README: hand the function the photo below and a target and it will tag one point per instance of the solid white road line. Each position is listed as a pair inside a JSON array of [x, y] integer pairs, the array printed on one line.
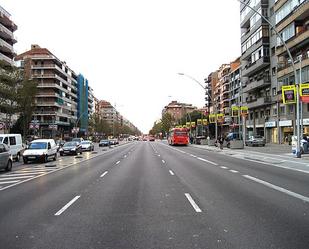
[[223, 167], [192, 202], [22, 174], [283, 190], [104, 174], [67, 205], [8, 182], [171, 172], [234, 171], [118, 162], [207, 161], [193, 155], [14, 178], [163, 161]]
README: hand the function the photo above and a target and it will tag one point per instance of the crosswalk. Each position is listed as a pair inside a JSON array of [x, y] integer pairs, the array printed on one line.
[[25, 174]]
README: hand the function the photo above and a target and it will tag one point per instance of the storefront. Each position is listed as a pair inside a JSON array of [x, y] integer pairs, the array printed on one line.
[[286, 128], [271, 132]]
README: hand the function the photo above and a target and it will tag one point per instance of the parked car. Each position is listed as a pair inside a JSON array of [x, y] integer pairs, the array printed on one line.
[[77, 139], [255, 140], [104, 143], [87, 145], [71, 148], [40, 150], [14, 143], [151, 138], [113, 141], [5, 157]]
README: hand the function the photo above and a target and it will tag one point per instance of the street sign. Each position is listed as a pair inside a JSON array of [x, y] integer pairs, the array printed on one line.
[[212, 118], [304, 92], [235, 111], [220, 117]]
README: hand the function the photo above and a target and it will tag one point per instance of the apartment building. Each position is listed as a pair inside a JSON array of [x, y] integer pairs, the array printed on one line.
[[56, 100], [7, 37], [291, 18], [178, 110], [210, 86], [108, 112], [255, 64]]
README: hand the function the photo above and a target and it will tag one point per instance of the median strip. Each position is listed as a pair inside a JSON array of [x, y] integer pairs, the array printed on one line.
[[192, 202], [283, 190], [67, 205]]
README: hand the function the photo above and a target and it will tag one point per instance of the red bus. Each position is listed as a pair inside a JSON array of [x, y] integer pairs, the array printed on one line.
[[178, 136]]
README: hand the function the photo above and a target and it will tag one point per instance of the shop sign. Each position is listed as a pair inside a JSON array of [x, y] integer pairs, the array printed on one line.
[[289, 94], [220, 117], [235, 111], [304, 92], [188, 125], [205, 122], [270, 124], [244, 111], [212, 118], [192, 124], [199, 122], [283, 123]]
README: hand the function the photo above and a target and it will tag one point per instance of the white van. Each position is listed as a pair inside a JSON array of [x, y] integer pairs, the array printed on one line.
[[14, 142], [40, 150]]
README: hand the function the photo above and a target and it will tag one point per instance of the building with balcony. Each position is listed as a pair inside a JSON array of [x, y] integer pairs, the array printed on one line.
[[292, 22], [7, 37], [177, 110], [57, 96], [210, 86], [256, 63]]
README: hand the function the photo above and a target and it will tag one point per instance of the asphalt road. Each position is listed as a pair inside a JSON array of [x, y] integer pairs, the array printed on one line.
[[151, 195]]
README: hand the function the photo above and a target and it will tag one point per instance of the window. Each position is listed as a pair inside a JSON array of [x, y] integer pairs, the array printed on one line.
[[282, 110], [274, 111], [286, 9], [12, 141], [6, 141], [251, 115], [291, 109], [286, 34], [274, 91], [256, 114], [273, 71], [262, 114]]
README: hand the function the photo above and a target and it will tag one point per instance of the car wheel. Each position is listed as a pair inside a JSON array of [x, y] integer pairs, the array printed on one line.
[[45, 159], [61, 154], [55, 157], [17, 159], [9, 166], [25, 160]]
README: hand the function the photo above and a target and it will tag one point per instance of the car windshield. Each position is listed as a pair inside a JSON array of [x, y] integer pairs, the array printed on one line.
[[37, 146], [69, 144], [1, 138], [85, 142]]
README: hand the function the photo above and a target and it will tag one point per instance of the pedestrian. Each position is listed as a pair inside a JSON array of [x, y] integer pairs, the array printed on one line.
[[221, 140]]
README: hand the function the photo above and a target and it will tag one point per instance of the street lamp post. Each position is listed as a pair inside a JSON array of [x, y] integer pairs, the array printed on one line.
[[297, 125], [210, 97], [75, 125]]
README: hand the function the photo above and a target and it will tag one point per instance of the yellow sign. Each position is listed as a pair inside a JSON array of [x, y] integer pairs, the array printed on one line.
[[244, 110], [220, 117], [192, 124], [184, 126], [188, 125], [304, 90], [205, 122], [199, 122], [289, 94], [235, 111], [212, 118]]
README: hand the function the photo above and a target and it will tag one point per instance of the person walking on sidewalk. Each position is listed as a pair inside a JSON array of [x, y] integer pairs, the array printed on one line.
[[221, 140]]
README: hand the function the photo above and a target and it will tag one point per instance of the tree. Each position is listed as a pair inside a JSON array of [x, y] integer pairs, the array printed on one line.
[[167, 122], [10, 83]]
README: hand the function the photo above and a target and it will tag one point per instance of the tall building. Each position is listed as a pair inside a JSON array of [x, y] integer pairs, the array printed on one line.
[[255, 64], [7, 37], [85, 103], [210, 86], [178, 110], [291, 19], [56, 99]]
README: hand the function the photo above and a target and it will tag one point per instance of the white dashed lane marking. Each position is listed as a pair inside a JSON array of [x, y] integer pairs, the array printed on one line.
[[234, 171], [104, 174], [223, 167], [171, 172], [67, 205], [192, 202], [117, 162]]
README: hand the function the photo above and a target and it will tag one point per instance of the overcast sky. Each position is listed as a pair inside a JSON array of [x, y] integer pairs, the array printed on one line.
[[132, 50]]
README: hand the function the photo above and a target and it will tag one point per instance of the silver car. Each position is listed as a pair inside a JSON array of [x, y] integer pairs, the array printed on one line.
[[5, 158], [255, 140]]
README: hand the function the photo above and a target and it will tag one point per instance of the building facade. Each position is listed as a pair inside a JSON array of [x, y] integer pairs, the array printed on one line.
[[56, 100], [177, 110], [255, 64], [7, 37]]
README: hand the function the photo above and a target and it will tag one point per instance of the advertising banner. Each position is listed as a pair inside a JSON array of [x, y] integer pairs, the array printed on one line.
[[192, 124], [199, 122], [244, 111], [289, 94], [212, 118], [205, 122], [235, 111], [220, 117]]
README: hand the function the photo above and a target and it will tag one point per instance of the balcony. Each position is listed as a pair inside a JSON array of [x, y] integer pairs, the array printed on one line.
[[6, 47], [47, 103], [47, 94], [299, 40], [6, 33], [257, 84], [5, 58], [254, 67], [255, 46], [285, 67], [257, 102]]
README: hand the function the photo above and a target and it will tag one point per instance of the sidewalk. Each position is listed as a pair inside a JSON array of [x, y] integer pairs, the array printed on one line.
[[272, 154]]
